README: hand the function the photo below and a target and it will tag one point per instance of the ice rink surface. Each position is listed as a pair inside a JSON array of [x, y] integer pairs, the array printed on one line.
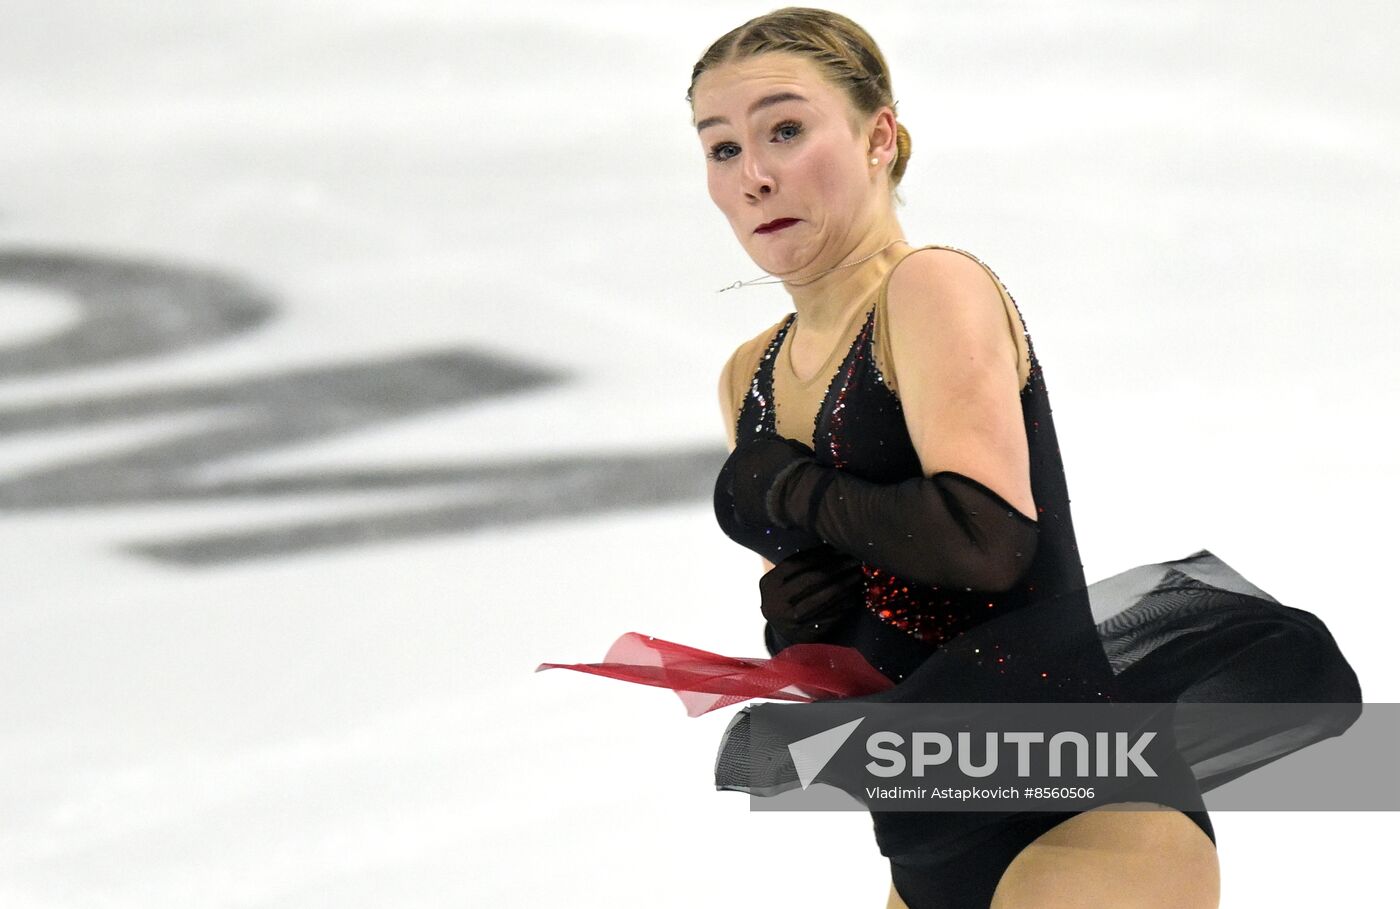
[[359, 357]]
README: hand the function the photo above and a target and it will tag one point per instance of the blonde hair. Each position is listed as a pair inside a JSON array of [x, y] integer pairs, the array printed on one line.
[[843, 51]]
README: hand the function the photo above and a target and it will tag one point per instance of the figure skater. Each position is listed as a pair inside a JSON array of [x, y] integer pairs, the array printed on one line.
[[894, 461]]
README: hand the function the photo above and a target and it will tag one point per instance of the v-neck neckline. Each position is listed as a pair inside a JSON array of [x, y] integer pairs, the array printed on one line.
[[838, 353], [828, 372]]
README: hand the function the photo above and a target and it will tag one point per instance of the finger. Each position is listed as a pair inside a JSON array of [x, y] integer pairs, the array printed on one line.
[[824, 557], [801, 585], [843, 589], [832, 611], [804, 563], [828, 596]]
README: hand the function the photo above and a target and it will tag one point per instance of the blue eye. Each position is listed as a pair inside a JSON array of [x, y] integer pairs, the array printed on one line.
[[718, 147]]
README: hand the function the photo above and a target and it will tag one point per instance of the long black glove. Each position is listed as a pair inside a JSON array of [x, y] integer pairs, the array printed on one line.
[[805, 594], [775, 544], [947, 529]]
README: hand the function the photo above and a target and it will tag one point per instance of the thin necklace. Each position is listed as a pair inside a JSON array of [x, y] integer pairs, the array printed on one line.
[[796, 283]]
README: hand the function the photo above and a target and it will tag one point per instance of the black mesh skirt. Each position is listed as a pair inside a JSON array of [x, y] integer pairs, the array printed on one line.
[[1188, 631]]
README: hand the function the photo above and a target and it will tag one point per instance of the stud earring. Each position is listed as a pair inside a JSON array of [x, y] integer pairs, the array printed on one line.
[[874, 161]]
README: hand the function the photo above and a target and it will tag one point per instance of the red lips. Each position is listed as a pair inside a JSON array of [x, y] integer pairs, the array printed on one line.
[[778, 224]]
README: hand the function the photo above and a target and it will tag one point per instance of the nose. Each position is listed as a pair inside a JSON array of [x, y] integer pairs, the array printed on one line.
[[756, 178]]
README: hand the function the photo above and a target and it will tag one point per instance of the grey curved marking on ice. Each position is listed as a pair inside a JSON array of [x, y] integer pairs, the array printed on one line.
[[129, 309], [518, 493], [264, 413]]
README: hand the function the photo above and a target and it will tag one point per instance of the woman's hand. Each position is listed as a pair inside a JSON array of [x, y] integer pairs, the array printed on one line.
[[806, 593], [754, 467]]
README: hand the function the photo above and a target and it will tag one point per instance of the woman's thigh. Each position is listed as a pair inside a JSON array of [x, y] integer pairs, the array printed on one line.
[[1141, 859]]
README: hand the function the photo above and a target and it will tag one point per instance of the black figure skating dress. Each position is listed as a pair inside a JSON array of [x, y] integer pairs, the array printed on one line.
[[1186, 630]]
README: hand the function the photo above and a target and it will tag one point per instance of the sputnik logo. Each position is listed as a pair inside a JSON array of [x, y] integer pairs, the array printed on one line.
[[811, 754]]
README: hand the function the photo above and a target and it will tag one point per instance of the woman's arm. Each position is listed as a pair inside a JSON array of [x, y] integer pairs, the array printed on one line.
[[959, 386]]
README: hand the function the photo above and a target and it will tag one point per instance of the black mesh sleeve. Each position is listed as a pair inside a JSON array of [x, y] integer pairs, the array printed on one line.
[[947, 529]]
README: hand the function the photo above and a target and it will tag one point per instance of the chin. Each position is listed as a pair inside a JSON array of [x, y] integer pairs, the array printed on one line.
[[772, 259]]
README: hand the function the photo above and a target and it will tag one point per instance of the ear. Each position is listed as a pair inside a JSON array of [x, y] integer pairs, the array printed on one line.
[[883, 132]]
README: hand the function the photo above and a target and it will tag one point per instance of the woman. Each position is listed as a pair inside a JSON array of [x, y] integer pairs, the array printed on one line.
[[894, 460], [787, 143]]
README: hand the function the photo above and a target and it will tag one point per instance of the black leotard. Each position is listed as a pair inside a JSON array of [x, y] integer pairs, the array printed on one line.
[[860, 428], [958, 645]]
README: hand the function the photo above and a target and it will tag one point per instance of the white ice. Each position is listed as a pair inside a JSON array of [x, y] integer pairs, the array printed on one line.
[[1194, 205]]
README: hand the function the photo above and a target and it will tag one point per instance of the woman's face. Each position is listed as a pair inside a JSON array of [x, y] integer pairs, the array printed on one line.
[[771, 156]]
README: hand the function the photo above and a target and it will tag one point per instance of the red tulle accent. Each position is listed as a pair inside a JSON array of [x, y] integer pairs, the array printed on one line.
[[706, 681]]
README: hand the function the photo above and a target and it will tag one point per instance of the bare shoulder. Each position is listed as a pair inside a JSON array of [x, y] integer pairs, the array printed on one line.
[[952, 300], [945, 312], [935, 279]]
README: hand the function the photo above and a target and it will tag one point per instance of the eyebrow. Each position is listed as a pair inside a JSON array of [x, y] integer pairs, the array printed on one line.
[[765, 101]]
